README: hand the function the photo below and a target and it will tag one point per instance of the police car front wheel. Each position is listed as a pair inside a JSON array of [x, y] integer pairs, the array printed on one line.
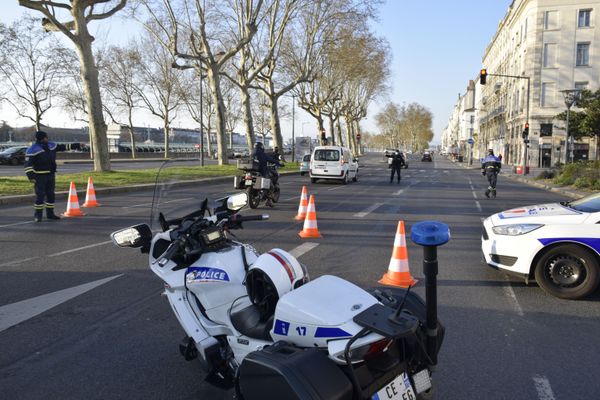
[[568, 271]]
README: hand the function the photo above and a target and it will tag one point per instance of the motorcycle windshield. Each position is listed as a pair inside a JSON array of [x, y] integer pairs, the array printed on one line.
[[178, 191]]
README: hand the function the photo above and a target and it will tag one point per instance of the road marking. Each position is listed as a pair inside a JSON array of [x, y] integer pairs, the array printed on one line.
[[368, 211], [303, 249], [292, 198], [15, 313], [79, 248], [17, 262], [543, 388], [474, 195], [508, 290], [478, 205], [165, 202], [138, 205], [16, 223], [335, 188], [399, 192]]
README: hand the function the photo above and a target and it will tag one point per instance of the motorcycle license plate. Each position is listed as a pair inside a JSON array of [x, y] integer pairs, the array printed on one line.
[[398, 389], [249, 182]]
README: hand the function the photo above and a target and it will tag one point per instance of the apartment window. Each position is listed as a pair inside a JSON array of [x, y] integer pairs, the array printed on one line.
[[525, 33], [583, 54], [584, 18], [547, 95], [545, 130], [551, 20], [549, 55], [581, 85]]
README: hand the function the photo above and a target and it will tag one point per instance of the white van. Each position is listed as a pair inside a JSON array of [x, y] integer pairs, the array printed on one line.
[[333, 162]]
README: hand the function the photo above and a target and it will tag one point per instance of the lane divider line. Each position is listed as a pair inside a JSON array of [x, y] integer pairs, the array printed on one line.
[[368, 211], [17, 262], [15, 313], [543, 388], [478, 205], [508, 290], [79, 248], [303, 249], [16, 223]]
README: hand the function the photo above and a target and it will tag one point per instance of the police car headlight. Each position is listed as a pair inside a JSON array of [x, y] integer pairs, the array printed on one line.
[[515, 230]]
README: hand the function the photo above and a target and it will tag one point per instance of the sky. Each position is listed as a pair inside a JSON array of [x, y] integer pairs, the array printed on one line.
[[437, 46]]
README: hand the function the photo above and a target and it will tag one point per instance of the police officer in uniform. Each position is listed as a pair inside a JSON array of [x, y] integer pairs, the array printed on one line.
[[397, 164], [40, 167], [262, 158], [490, 167]]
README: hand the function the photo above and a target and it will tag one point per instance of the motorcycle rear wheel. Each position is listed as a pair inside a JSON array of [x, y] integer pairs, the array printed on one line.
[[253, 197], [275, 195]]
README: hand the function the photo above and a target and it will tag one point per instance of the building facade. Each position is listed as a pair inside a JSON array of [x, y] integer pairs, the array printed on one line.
[[556, 43]]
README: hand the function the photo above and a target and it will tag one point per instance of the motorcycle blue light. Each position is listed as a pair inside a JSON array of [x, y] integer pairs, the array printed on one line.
[[430, 233]]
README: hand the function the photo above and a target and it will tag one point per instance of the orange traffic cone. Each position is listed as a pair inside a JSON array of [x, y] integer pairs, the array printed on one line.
[[73, 204], [90, 195], [310, 229], [303, 205], [398, 271]]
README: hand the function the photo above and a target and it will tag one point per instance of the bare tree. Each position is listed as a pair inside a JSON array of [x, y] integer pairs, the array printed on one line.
[[76, 30], [160, 88], [120, 78], [31, 65], [208, 43]]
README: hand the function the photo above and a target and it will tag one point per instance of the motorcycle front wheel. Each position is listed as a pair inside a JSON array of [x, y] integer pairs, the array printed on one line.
[[275, 195], [253, 197]]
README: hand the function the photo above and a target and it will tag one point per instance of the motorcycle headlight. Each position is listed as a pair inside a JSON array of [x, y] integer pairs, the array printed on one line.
[[516, 229]]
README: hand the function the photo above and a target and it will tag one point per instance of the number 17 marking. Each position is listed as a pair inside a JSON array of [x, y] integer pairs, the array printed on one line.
[[301, 330]]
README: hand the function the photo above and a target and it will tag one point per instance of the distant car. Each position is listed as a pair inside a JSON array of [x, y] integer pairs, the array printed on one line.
[[13, 155], [427, 157], [558, 244], [305, 164], [389, 152]]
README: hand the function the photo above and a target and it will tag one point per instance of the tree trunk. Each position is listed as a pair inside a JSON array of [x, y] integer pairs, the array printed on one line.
[[332, 130], [275, 126], [131, 134], [354, 140], [91, 90], [166, 131], [322, 133], [349, 132], [209, 137], [215, 85], [248, 119], [339, 132]]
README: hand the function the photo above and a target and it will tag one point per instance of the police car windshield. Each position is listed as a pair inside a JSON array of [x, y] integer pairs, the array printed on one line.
[[327, 155], [590, 204]]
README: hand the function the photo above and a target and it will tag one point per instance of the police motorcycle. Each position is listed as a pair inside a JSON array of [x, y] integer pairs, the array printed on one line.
[[257, 323], [259, 188]]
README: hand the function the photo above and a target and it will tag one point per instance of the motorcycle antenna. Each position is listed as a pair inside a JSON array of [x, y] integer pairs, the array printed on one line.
[[401, 306]]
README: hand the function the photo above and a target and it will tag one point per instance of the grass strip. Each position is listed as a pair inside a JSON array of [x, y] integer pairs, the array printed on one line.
[[18, 185]]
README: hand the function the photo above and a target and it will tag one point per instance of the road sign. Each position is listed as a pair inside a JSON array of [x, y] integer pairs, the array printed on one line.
[[470, 141], [197, 146], [358, 136]]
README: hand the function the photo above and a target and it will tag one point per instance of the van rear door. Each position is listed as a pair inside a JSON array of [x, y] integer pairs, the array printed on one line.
[[326, 162]]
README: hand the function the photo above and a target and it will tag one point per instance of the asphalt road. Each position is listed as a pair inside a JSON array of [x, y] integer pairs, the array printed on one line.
[[504, 340], [74, 167]]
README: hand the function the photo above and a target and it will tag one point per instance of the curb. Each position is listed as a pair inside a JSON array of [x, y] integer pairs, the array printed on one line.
[[10, 200]]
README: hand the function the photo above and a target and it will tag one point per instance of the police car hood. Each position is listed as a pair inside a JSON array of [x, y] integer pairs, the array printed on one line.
[[554, 213]]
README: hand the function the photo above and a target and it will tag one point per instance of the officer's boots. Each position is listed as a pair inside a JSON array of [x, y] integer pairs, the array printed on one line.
[[487, 193], [50, 214], [494, 193], [37, 217]]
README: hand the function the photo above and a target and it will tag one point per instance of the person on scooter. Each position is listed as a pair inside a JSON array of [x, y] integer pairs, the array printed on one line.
[[262, 158]]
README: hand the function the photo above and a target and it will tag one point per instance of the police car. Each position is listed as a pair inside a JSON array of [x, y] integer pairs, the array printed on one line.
[[558, 244]]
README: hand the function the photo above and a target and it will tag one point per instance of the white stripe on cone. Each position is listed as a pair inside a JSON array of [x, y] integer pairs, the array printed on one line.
[[400, 240], [398, 266]]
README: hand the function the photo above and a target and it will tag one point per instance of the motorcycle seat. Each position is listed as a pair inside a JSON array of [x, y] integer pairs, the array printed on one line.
[[247, 321]]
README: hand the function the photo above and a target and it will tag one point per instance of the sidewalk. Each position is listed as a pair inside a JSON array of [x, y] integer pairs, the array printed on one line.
[[507, 171]]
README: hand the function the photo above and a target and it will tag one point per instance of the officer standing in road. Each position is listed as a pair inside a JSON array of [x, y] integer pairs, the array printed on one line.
[[397, 163], [490, 167], [40, 167]]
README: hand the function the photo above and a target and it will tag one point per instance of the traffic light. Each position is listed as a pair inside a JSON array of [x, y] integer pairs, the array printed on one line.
[[482, 76], [526, 130]]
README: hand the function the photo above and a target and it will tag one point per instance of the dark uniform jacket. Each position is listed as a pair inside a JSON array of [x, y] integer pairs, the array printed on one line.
[[262, 159], [397, 161], [491, 164], [40, 158]]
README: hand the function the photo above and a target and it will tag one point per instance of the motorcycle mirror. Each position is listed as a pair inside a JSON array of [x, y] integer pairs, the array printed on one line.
[[237, 201], [135, 236]]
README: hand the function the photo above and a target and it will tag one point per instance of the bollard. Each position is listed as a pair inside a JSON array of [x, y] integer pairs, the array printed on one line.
[[430, 235]]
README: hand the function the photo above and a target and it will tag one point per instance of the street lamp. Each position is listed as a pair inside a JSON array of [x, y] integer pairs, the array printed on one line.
[[571, 96], [293, 121]]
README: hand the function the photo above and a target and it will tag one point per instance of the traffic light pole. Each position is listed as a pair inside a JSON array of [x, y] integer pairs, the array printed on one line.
[[525, 139]]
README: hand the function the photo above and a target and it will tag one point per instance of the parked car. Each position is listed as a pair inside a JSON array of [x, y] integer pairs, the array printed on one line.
[[305, 164], [333, 162], [13, 155], [427, 157], [556, 244]]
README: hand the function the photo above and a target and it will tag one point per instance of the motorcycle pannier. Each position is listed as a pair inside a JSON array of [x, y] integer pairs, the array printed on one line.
[[263, 183], [246, 164], [283, 371]]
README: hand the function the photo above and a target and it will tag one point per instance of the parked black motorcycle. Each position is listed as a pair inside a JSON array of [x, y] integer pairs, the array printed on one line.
[[259, 188]]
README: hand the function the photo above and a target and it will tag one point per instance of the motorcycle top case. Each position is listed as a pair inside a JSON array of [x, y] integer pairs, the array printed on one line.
[[283, 371]]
